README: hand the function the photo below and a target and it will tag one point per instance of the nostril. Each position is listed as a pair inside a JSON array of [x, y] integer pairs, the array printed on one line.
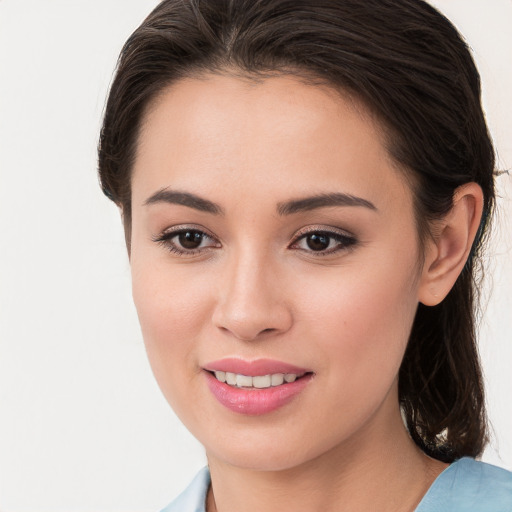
[[251, 321]]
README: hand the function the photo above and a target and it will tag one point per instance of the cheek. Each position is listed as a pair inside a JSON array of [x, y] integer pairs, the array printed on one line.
[[361, 332], [169, 298], [172, 312], [362, 323]]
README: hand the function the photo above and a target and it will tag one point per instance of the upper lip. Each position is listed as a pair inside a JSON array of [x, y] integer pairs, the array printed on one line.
[[254, 368]]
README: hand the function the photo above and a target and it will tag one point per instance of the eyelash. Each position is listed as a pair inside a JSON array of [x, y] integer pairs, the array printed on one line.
[[166, 240], [344, 240]]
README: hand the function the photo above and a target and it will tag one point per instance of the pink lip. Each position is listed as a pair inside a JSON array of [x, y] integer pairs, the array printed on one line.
[[253, 368], [253, 401]]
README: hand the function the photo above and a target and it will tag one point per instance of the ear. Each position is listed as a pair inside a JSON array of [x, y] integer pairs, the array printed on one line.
[[447, 251]]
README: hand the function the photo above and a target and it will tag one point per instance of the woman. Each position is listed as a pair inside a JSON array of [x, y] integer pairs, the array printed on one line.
[[305, 189]]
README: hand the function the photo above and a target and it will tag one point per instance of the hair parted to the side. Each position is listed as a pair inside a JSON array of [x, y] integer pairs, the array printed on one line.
[[409, 65]]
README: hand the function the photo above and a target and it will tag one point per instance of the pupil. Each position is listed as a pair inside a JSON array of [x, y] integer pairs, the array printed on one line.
[[190, 239], [318, 242]]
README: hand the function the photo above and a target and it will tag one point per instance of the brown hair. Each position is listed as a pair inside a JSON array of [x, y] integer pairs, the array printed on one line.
[[411, 67]]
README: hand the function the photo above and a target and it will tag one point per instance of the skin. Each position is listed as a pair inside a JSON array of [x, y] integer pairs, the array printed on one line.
[[254, 288]]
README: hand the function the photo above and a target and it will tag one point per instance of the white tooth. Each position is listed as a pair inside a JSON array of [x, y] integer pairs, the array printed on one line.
[[290, 377], [220, 376], [231, 378], [244, 381], [277, 379], [262, 381]]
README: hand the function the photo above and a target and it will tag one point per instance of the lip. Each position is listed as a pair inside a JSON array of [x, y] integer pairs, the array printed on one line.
[[253, 368], [252, 401]]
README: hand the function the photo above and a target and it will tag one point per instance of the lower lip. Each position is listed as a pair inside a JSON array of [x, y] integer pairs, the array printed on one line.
[[254, 401]]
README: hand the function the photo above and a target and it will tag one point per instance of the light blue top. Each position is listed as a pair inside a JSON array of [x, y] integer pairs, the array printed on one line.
[[464, 486]]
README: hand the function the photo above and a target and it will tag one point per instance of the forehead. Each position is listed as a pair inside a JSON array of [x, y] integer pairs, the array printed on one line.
[[278, 134]]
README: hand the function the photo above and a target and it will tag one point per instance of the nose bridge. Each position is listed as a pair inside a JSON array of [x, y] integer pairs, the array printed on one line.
[[251, 300]]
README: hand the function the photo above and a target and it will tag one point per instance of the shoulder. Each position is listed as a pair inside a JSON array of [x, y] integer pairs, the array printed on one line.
[[193, 498], [469, 485]]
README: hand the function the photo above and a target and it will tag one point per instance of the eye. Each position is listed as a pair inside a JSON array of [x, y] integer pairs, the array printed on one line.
[[190, 239], [323, 242], [186, 241]]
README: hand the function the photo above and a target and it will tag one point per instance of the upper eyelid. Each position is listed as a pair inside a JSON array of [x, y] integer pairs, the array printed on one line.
[[174, 230], [322, 229]]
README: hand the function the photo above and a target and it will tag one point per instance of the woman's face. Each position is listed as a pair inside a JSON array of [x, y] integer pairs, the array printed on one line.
[[272, 235]]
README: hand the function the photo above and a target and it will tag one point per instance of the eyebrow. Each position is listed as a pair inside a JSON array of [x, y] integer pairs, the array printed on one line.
[[304, 204], [322, 201], [169, 196]]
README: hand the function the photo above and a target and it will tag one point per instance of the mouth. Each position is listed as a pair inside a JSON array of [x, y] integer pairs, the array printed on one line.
[[238, 380], [255, 387]]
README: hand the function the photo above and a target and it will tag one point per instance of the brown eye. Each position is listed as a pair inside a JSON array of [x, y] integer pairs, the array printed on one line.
[[187, 242], [190, 239], [318, 241], [324, 242]]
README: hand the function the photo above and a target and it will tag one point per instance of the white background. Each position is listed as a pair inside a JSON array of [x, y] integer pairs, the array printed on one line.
[[83, 427]]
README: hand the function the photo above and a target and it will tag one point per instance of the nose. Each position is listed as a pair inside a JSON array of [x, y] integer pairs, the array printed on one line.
[[252, 301]]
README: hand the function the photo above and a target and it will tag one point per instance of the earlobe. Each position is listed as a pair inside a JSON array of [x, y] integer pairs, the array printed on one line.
[[448, 251]]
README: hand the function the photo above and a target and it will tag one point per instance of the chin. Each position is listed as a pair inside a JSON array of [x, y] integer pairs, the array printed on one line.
[[268, 450], [251, 459]]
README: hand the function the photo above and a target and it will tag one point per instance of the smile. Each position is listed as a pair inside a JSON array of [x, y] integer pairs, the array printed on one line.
[[255, 387], [257, 381]]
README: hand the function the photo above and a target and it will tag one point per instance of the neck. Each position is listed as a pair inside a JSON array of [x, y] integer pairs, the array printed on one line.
[[378, 469]]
